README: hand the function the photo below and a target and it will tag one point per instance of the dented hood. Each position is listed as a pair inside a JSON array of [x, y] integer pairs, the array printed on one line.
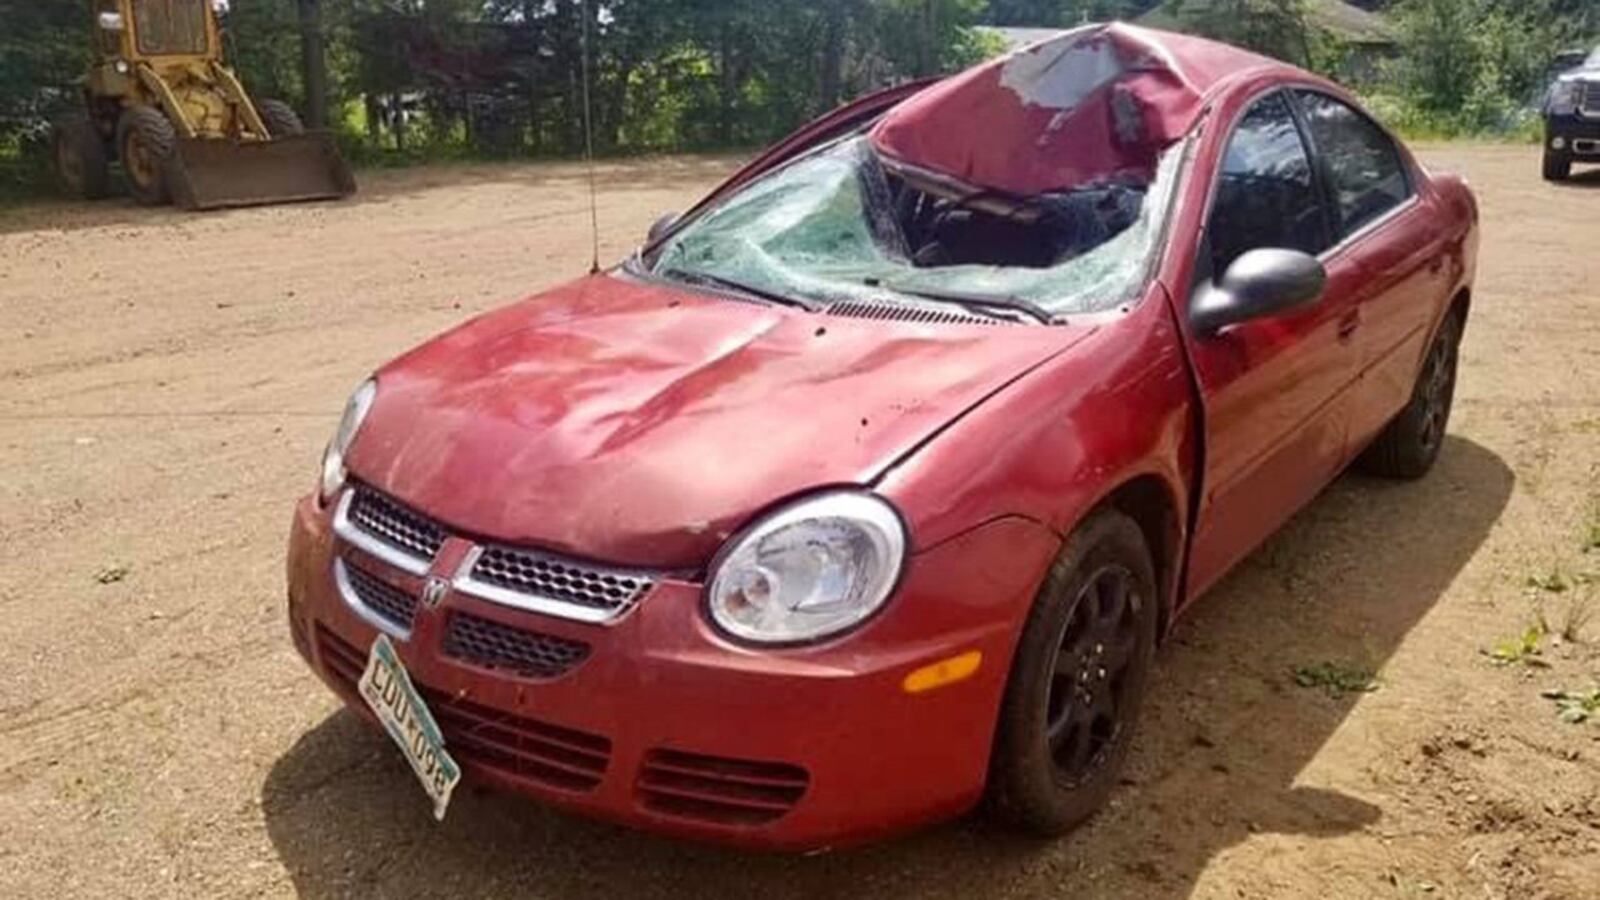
[[1090, 105], [641, 424]]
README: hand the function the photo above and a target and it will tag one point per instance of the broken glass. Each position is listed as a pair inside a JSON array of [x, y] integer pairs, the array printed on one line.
[[838, 224]]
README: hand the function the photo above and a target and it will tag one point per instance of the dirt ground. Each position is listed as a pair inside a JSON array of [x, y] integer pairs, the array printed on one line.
[[167, 382]]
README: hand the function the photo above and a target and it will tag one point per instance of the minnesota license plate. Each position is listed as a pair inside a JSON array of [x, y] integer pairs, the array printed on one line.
[[387, 688]]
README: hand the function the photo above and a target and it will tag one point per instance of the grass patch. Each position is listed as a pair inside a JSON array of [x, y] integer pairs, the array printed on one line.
[[1525, 649], [1576, 616], [1575, 708], [111, 574], [1336, 680], [1554, 581]]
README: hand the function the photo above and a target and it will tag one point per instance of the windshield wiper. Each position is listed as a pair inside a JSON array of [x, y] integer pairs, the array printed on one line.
[[705, 279], [983, 303]]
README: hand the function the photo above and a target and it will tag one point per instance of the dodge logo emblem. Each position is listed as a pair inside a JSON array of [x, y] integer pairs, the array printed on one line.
[[433, 591]]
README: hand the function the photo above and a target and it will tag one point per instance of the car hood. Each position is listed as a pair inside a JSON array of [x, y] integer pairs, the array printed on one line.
[[642, 424]]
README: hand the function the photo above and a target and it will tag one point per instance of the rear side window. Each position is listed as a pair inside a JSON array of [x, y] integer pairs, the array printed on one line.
[[1266, 195], [1368, 178]]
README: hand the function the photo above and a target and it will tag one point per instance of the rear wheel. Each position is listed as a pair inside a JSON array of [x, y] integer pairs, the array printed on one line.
[[146, 141], [1409, 445], [1557, 166], [280, 118], [81, 162], [1078, 680]]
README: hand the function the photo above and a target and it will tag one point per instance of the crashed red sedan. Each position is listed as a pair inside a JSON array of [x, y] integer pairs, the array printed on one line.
[[867, 488]]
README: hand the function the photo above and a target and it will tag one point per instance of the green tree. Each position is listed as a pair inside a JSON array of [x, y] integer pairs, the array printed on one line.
[[1062, 13], [1276, 28], [44, 52], [1471, 63]]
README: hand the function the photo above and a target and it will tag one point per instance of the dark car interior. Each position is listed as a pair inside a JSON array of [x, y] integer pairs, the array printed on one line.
[[942, 224]]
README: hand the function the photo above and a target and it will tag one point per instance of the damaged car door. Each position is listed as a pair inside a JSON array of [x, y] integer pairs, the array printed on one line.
[[1275, 388], [1384, 227]]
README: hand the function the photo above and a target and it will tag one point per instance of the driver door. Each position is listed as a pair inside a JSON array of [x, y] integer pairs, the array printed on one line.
[[1276, 391]]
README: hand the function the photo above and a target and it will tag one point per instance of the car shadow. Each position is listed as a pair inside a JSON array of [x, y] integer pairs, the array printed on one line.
[[1225, 737], [1581, 179]]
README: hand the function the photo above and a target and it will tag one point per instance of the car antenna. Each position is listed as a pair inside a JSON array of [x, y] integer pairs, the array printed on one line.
[[588, 150]]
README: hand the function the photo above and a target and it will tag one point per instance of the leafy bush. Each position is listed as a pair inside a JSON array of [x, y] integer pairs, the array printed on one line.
[[1474, 67]]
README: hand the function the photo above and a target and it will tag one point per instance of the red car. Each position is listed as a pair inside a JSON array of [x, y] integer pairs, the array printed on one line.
[[867, 489]]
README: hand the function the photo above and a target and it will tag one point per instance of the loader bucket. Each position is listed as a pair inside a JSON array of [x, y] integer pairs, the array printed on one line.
[[208, 173]]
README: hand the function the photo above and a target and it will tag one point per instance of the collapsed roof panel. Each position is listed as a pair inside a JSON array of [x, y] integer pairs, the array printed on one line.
[[1087, 106]]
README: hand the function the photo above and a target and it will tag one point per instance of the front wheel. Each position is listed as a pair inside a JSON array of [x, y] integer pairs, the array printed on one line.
[[280, 118], [1078, 680], [1410, 443], [146, 140], [1557, 166]]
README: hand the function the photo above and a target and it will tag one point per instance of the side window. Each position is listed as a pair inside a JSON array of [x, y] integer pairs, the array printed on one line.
[[1363, 164], [1266, 195]]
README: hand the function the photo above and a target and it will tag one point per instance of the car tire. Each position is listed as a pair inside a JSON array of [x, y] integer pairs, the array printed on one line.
[[280, 118], [146, 140], [1077, 680], [1408, 446], [82, 165], [1557, 166]]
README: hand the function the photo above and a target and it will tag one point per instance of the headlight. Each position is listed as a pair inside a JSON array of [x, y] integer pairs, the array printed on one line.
[[1564, 98], [355, 412], [809, 570]]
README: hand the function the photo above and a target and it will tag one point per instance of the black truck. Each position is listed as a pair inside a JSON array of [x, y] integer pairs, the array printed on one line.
[[1572, 119]]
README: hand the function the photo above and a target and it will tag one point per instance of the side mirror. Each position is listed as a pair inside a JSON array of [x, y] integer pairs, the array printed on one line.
[[110, 21], [1260, 284], [661, 227]]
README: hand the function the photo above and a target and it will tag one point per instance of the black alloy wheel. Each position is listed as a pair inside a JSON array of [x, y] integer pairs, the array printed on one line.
[[1088, 699], [1408, 446], [1077, 679]]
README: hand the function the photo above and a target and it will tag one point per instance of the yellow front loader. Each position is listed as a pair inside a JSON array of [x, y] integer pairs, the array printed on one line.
[[161, 101]]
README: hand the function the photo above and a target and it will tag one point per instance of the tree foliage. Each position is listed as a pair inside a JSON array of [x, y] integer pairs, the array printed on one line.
[[1276, 28], [503, 76], [43, 48], [1471, 64]]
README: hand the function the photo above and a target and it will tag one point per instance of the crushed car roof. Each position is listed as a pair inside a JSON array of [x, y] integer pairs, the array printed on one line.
[[1087, 106]]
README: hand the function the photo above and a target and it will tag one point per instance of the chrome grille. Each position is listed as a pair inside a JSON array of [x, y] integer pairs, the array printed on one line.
[[1589, 97], [383, 599], [603, 592], [398, 526], [491, 645], [399, 536]]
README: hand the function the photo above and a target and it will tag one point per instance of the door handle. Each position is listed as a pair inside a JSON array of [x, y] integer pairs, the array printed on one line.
[[1348, 324]]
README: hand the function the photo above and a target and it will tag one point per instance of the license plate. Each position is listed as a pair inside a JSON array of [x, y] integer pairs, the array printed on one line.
[[387, 688]]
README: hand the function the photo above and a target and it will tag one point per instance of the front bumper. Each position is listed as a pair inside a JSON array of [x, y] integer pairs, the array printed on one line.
[[668, 726], [1578, 136]]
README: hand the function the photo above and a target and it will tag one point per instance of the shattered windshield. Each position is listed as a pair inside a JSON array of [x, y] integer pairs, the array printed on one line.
[[844, 224]]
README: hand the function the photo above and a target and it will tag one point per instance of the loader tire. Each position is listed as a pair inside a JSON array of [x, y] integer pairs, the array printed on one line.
[[83, 168], [146, 140], [281, 119]]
